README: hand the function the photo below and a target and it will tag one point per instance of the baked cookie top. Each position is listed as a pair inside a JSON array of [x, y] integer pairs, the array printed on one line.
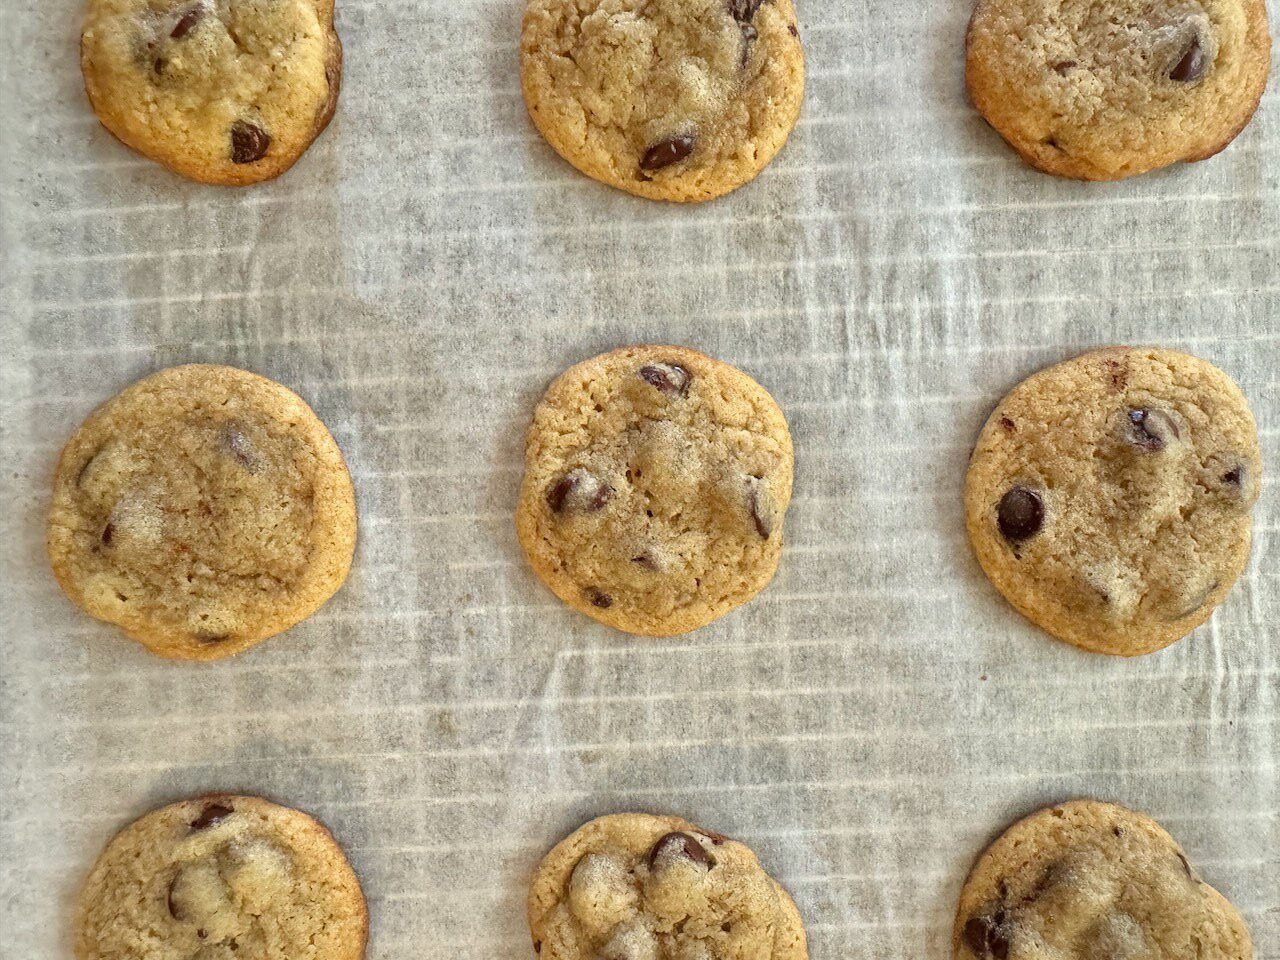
[[1104, 91], [633, 886], [656, 481], [667, 99], [1109, 497], [222, 877], [221, 91], [201, 510], [1088, 880]]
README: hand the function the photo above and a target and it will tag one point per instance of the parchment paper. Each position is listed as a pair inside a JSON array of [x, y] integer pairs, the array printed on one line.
[[867, 724]]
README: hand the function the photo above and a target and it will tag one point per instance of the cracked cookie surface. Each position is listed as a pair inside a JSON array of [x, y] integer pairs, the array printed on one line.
[[668, 99], [655, 487], [222, 877], [634, 886], [202, 510], [1105, 91], [1092, 881], [1109, 497], [225, 92]]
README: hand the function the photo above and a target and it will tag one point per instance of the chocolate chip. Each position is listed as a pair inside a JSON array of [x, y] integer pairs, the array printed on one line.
[[107, 533], [1064, 66], [578, 488], [1192, 64], [1020, 514], [1008, 425], [212, 814], [669, 378], [791, 29], [667, 152], [599, 598], [683, 843], [537, 946], [1152, 429], [186, 22], [646, 560], [1118, 831], [985, 936], [761, 505], [249, 142], [1234, 477], [202, 933], [159, 65], [744, 11]]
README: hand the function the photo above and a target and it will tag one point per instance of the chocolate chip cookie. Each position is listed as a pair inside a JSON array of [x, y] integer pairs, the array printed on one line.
[[202, 510], [221, 91], [1110, 497], [1104, 91], [637, 887], [1087, 881], [656, 482], [667, 99], [222, 877]]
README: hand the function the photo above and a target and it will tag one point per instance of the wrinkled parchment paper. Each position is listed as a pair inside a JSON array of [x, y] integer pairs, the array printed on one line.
[[867, 724]]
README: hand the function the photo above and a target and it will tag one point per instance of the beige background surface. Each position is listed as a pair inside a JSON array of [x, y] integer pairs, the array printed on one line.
[[867, 724]]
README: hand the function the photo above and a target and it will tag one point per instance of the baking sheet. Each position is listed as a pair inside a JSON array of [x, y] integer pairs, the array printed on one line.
[[867, 724]]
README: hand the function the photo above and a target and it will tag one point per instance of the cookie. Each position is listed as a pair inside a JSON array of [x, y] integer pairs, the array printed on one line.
[[1086, 881], [632, 886], [226, 92], [222, 877], [202, 510], [667, 99], [1109, 497], [1105, 91], [655, 486]]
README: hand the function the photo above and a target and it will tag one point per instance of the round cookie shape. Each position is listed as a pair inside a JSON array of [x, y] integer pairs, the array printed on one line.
[[222, 877], [202, 510], [679, 100], [656, 482], [1106, 91], [634, 886], [227, 92], [1085, 880], [1109, 497]]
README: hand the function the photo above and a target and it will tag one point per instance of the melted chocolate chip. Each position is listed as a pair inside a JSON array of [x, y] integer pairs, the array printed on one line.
[[578, 488], [1192, 65], [249, 142], [599, 598], [985, 936], [186, 22], [761, 505], [240, 448], [684, 844], [1020, 514], [667, 152], [669, 378], [212, 814], [1152, 429]]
